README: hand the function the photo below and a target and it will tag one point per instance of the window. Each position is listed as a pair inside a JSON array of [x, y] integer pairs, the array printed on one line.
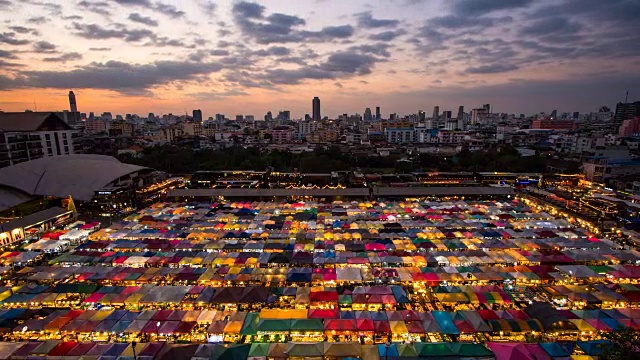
[[50, 151], [65, 142], [64, 135], [48, 144], [47, 136], [66, 149]]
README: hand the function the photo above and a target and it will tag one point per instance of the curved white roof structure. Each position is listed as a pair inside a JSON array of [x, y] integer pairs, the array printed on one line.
[[60, 176]]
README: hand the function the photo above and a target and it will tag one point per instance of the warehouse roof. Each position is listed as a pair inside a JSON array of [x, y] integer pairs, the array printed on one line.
[[60, 176]]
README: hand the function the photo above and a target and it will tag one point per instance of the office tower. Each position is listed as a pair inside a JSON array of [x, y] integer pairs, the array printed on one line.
[[268, 116], [220, 118], [284, 115], [446, 115], [74, 117], [249, 118], [422, 116], [554, 114], [436, 113], [460, 112], [239, 117], [368, 116], [378, 114], [307, 117], [91, 115], [316, 109], [151, 117], [197, 116], [576, 114], [72, 102], [487, 108], [625, 111]]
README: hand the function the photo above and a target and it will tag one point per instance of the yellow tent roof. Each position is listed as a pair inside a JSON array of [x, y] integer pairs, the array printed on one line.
[[283, 314], [398, 327]]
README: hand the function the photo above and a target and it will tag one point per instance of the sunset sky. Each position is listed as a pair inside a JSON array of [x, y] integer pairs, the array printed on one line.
[[236, 57]]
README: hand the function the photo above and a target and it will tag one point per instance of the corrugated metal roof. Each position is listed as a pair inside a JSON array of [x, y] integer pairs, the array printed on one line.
[[32, 219]]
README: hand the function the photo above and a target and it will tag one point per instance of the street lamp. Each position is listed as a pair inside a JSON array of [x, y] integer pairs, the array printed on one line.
[[386, 350], [133, 346]]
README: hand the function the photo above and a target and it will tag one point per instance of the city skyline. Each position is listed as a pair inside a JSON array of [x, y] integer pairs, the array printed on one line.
[[136, 56]]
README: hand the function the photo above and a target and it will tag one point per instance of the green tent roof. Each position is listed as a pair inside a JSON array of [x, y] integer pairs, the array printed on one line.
[[273, 325], [307, 325], [250, 325]]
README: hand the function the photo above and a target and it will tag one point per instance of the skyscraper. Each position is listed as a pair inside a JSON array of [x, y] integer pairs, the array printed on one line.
[[422, 116], [487, 107], [72, 102], [625, 111], [151, 117], [73, 116], [446, 115], [316, 109], [284, 115], [197, 116], [367, 114], [460, 112], [436, 112], [378, 114]]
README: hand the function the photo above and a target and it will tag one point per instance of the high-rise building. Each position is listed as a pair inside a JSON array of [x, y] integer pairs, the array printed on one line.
[[478, 115], [72, 102], [32, 135], [316, 109], [368, 116], [629, 127], [268, 116], [197, 116], [151, 117], [460, 112], [487, 108], [436, 113], [74, 115], [239, 117], [220, 117], [554, 114], [378, 114], [625, 111], [576, 114], [446, 114], [422, 116], [284, 115]]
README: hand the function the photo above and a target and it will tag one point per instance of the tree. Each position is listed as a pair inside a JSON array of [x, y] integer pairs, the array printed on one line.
[[625, 345]]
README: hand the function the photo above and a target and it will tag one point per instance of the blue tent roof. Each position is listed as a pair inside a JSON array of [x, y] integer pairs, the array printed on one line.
[[555, 349], [392, 350], [446, 322], [399, 294], [594, 347]]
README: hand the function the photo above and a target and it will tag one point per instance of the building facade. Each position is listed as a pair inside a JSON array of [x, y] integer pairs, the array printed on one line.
[[33, 135]]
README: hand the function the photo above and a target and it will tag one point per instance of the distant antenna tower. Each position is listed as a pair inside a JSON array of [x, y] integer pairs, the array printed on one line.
[[626, 96], [35, 106]]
